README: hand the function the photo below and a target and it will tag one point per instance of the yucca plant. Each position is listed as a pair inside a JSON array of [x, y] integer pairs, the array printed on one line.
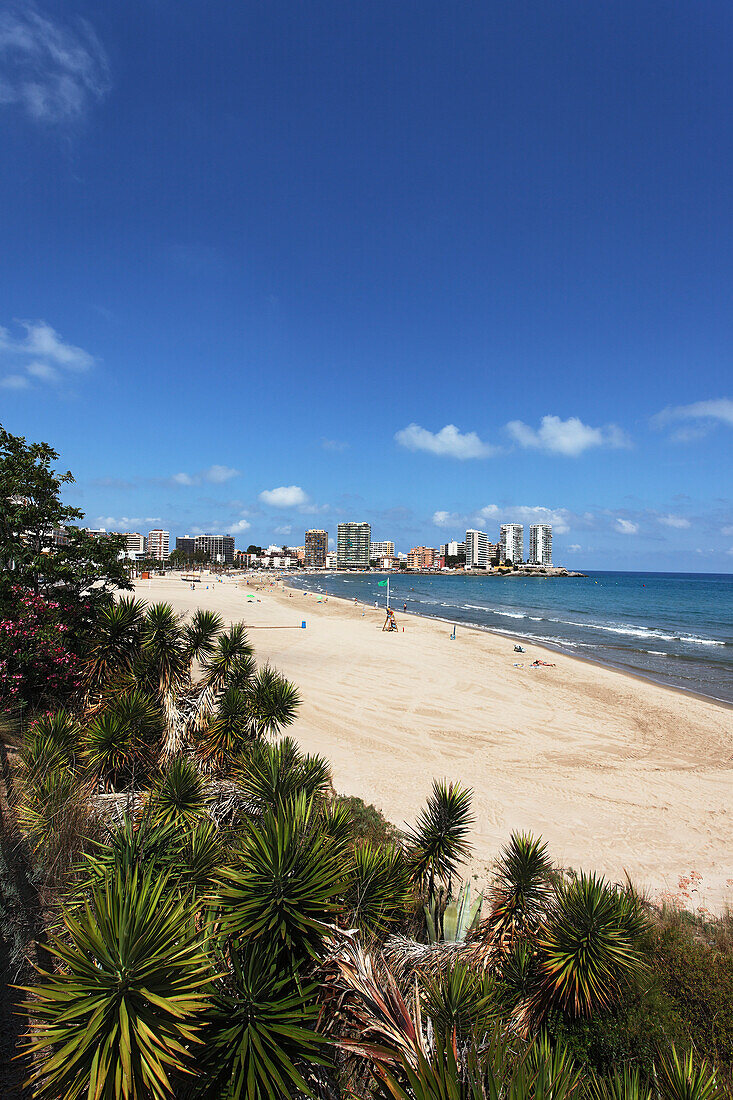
[[113, 750], [451, 922], [141, 713], [122, 1015], [274, 702], [179, 796], [521, 889], [134, 847], [200, 634], [51, 742], [230, 647], [260, 1034], [379, 892], [273, 774], [285, 885], [625, 1083], [589, 946], [461, 1001], [439, 840], [680, 1078], [229, 733], [53, 810], [115, 642]]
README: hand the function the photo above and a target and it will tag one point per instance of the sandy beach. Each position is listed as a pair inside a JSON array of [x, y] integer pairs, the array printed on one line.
[[616, 773]]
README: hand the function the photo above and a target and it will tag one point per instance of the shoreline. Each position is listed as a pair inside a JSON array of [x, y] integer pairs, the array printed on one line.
[[596, 662], [618, 774]]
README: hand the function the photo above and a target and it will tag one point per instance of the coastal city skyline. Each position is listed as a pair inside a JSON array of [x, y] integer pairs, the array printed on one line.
[[466, 290]]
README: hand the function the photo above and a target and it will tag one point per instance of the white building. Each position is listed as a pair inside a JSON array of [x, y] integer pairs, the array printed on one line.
[[331, 560], [477, 544], [540, 544], [511, 542], [157, 544], [381, 550]]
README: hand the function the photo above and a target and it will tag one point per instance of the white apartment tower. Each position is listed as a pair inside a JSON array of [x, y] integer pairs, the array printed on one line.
[[353, 545], [511, 542], [157, 544], [477, 550], [540, 544], [381, 550]]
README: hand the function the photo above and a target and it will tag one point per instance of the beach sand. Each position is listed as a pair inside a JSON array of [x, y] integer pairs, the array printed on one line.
[[617, 774]]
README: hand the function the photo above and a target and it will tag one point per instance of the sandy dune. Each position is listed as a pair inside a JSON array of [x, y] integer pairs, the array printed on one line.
[[616, 773]]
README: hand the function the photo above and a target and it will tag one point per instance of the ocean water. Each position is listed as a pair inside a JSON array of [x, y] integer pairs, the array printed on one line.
[[676, 628]]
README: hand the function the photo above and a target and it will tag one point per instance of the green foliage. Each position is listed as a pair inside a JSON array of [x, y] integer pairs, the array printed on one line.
[[54, 814], [114, 642], [521, 888], [460, 999], [113, 749], [625, 1083], [200, 634], [439, 840], [51, 743], [275, 702], [589, 945], [121, 1016], [368, 823], [379, 893], [682, 1079], [451, 923], [260, 1033], [285, 885], [179, 795], [275, 774]]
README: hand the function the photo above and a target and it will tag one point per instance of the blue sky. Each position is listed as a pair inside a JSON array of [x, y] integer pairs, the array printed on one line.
[[273, 265]]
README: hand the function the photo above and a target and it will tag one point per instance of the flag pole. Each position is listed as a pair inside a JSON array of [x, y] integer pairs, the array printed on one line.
[[388, 591]]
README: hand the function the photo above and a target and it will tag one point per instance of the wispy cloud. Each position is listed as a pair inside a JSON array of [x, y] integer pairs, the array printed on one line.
[[449, 442], [626, 527], [51, 71], [673, 521], [560, 518], [41, 355], [696, 420], [125, 523], [569, 437], [285, 496], [333, 445], [447, 519], [214, 475]]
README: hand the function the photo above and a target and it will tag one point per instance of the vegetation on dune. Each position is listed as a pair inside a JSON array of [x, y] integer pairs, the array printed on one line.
[[222, 925]]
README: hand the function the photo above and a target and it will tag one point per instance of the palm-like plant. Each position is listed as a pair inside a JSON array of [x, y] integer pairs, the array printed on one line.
[[439, 840], [200, 634], [52, 742], [682, 1079], [115, 641], [261, 1030], [589, 946], [272, 775], [274, 702], [229, 731], [461, 1001], [285, 885], [379, 893], [521, 889], [625, 1083], [121, 1016], [54, 813], [179, 796], [113, 749]]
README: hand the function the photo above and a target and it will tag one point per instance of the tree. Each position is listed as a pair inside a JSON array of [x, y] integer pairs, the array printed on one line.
[[80, 570]]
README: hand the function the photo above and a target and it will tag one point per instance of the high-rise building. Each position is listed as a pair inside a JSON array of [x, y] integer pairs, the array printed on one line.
[[186, 544], [540, 544], [157, 544], [492, 551], [476, 549], [218, 548], [135, 544], [453, 549], [353, 545], [379, 550], [316, 548], [511, 542]]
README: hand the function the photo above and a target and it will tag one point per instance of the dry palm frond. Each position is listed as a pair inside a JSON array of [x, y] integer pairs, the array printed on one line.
[[406, 957]]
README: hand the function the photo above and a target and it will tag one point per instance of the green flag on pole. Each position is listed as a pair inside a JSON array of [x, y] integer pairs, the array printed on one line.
[[382, 584]]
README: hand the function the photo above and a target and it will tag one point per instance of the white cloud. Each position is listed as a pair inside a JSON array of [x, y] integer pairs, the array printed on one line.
[[238, 527], [214, 475], [285, 496], [14, 382], [718, 410], [333, 444], [52, 72], [727, 531], [566, 437], [574, 547], [449, 442], [125, 523], [286, 529], [44, 371], [48, 353], [674, 521], [446, 519], [626, 527]]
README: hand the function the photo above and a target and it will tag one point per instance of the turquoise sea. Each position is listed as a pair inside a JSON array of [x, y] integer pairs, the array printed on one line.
[[676, 628]]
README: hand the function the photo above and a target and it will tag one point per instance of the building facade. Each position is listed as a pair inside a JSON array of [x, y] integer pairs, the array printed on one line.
[[540, 544], [316, 548], [353, 545], [158, 544], [218, 548], [379, 550], [135, 544], [477, 543], [421, 557], [511, 543], [186, 544]]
